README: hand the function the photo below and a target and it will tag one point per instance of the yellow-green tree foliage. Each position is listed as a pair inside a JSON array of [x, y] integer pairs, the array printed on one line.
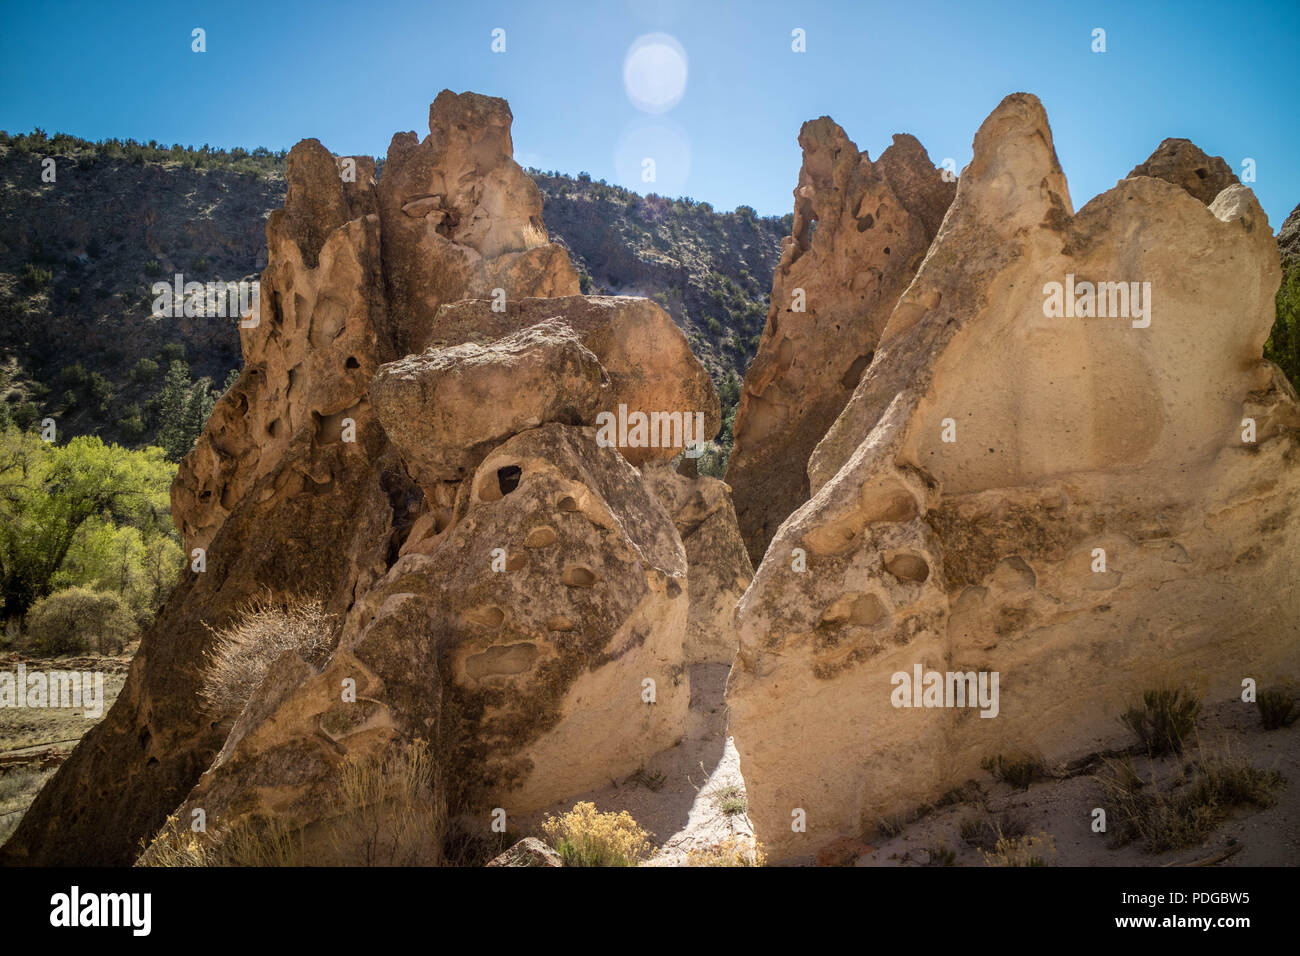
[[84, 514]]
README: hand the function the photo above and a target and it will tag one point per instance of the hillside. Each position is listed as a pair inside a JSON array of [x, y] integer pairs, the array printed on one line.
[[79, 256]]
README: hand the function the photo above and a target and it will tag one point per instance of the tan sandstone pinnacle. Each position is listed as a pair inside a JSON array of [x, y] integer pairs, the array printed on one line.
[[860, 232], [979, 554], [272, 493]]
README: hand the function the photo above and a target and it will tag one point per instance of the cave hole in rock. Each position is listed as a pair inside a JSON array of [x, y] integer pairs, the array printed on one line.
[[508, 478], [352, 362], [854, 374]]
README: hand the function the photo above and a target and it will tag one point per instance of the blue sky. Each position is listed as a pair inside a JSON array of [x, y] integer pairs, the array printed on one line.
[[351, 73]]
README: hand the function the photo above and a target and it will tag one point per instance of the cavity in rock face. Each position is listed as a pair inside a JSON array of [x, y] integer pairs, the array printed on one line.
[[992, 450]]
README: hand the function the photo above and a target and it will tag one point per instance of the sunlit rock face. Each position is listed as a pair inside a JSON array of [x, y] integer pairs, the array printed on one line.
[[861, 229], [1086, 501]]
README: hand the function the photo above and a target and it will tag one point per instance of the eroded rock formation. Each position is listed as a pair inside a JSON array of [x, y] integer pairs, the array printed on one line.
[[993, 451], [860, 231], [298, 487]]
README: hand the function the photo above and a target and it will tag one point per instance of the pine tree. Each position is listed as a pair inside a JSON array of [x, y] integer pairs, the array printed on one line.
[[171, 402]]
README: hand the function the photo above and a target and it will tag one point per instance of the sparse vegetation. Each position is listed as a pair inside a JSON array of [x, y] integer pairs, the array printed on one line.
[[1277, 707], [249, 842], [384, 811], [1022, 851], [586, 837], [243, 651], [731, 799], [1164, 719], [1018, 770], [986, 831], [1180, 812], [387, 810], [732, 851], [650, 780], [938, 854]]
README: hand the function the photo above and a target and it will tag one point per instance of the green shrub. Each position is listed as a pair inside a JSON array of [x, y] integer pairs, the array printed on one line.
[[145, 370], [35, 279], [76, 620], [1163, 719]]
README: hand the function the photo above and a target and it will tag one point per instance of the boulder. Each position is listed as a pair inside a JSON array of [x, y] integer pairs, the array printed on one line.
[[1181, 162], [651, 368], [529, 851], [446, 408]]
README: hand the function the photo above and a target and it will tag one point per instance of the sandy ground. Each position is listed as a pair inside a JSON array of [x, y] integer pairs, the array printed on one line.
[[1063, 808]]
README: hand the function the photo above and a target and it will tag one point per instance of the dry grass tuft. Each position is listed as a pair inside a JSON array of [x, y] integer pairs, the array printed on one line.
[[1022, 851], [243, 651], [1182, 811], [387, 810], [732, 851]]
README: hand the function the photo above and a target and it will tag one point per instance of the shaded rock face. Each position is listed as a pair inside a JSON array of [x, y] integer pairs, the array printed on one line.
[[508, 588], [720, 571], [519, 641], [991, 448], [1181, 162], [1288, 239], [860, 231], [273, 492]]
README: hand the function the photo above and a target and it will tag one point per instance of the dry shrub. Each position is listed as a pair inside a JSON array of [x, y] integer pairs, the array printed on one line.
[[387, 811], [985, 832], [1163, 719], [1277, 707], [384, 812], [732, 851], [534, 235], [584, 837], [249, 842], [1022, 851], [1185, 809], [1018, 770], [262, 630]]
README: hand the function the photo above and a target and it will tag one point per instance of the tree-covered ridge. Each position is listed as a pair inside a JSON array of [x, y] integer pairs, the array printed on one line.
[[255, 162]]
